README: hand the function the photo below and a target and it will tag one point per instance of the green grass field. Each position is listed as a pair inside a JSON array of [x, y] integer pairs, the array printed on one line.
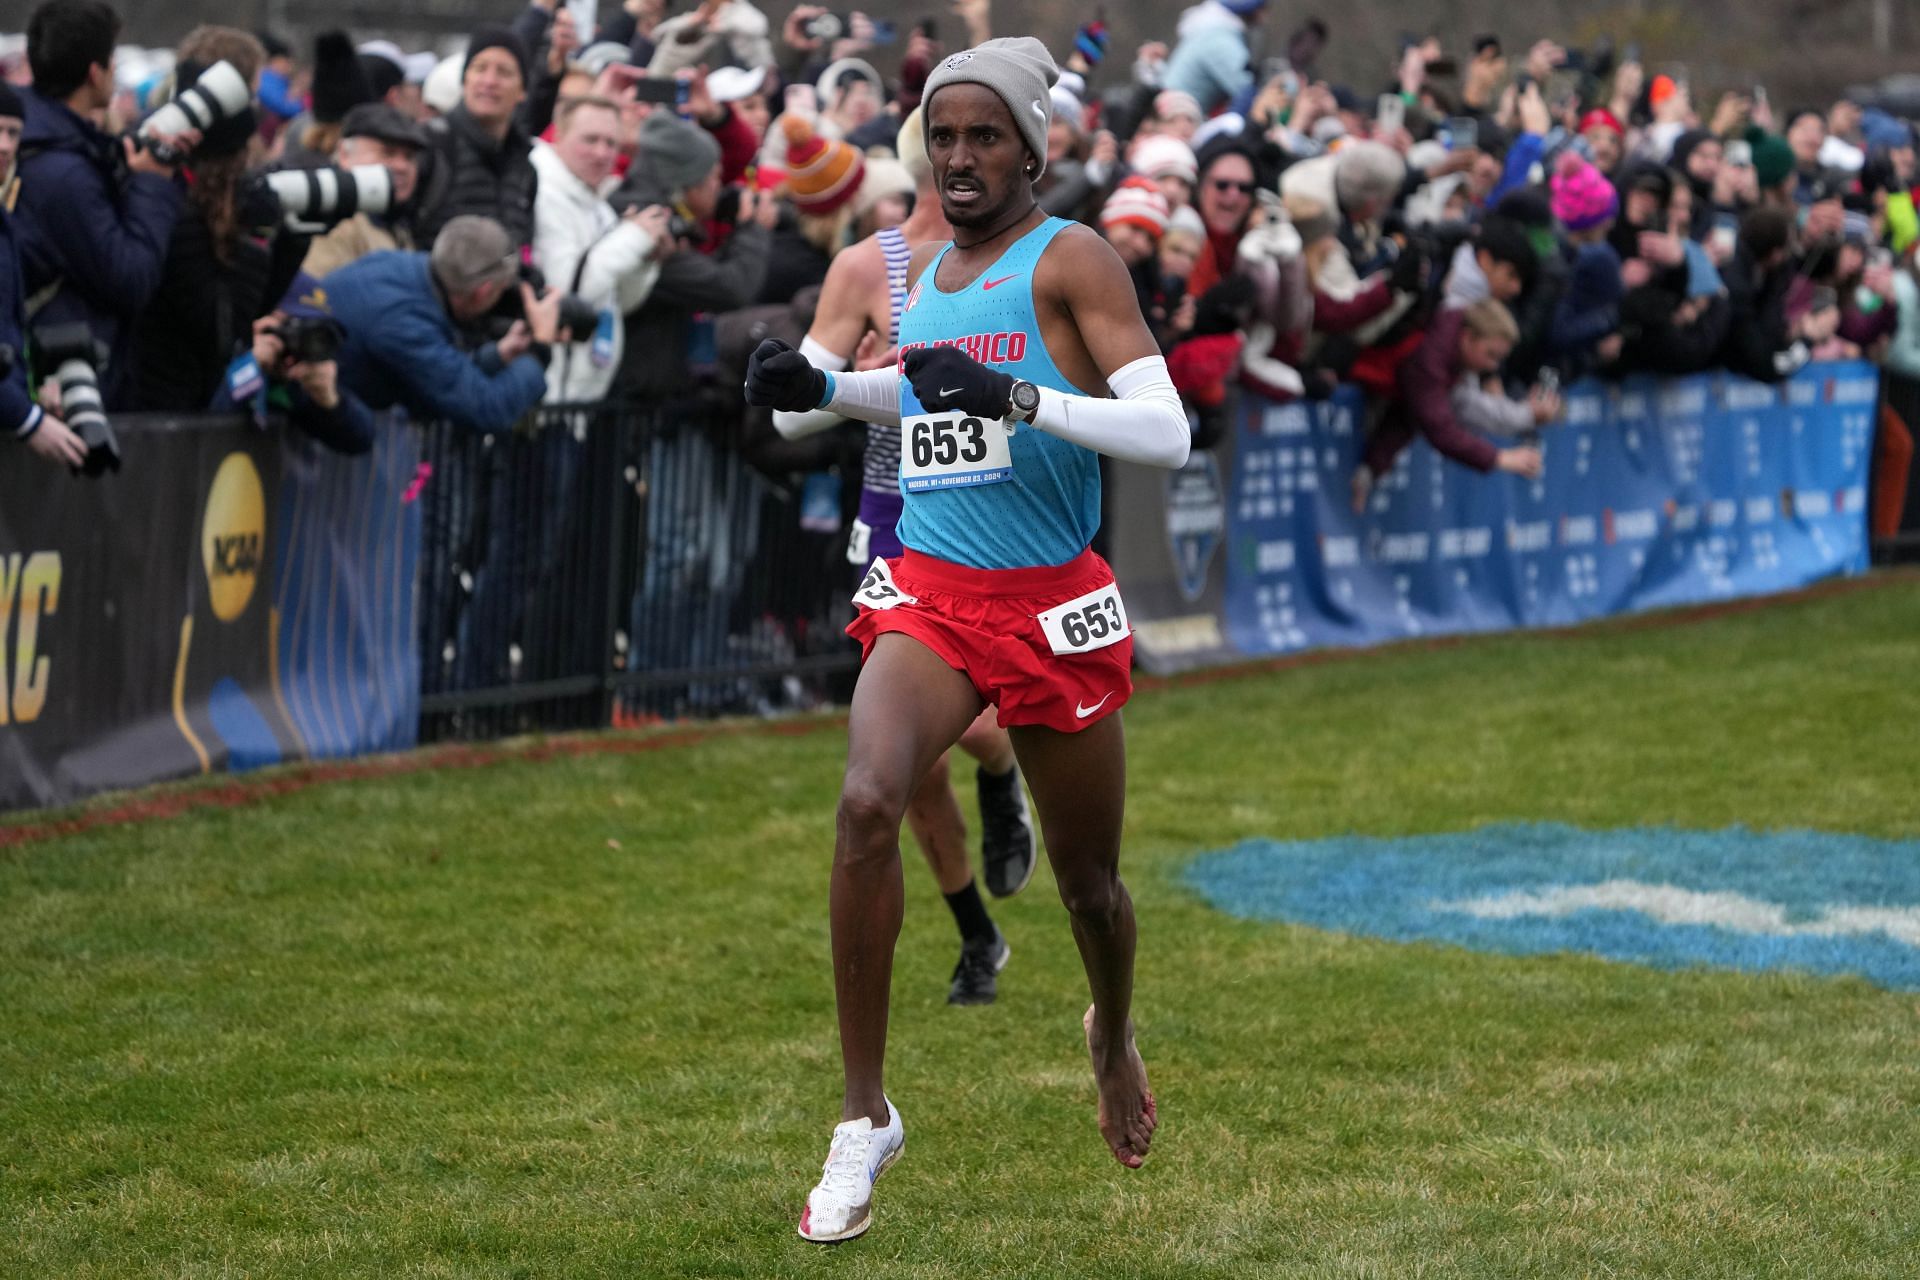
[[573, 1017]]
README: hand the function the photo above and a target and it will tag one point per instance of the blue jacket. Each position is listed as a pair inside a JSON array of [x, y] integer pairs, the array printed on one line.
[[1210, 61], [1590, 308], [101, 234], [19, 416], [403, 348]]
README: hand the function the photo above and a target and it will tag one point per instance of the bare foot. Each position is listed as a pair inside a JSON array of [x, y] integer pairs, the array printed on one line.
[[1128, 1115]]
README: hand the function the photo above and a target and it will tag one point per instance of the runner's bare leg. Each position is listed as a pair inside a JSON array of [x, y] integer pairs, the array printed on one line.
[[940, 829], [908, 708], [1079, 788], [988, 743]]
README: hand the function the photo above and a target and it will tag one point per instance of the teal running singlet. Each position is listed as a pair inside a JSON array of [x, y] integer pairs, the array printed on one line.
[[983, 493]]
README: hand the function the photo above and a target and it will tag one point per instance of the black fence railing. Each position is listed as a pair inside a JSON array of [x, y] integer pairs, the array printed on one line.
[[612, 565]]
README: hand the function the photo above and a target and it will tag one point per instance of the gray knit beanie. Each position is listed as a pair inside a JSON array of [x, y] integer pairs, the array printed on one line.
[[677, 154], [1020, 70]]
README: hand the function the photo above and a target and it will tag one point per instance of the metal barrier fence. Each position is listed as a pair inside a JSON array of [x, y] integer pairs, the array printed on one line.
[[616, 564]]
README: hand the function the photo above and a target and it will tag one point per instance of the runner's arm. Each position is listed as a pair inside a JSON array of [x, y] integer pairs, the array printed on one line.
[[1145, 421], [839, 322]]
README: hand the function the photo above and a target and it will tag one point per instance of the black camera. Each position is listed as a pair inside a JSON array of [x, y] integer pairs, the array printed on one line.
[[76, 358], [578, 317], [309, 339]]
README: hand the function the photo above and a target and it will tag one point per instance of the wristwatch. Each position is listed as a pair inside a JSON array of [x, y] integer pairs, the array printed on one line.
[[1024, 401]]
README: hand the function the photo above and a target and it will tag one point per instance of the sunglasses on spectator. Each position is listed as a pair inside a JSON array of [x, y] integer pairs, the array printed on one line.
[[1228, 184]]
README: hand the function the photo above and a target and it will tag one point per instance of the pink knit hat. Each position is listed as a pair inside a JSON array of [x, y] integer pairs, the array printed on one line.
[[1582, 197], [1136, 201], [1159, 156]]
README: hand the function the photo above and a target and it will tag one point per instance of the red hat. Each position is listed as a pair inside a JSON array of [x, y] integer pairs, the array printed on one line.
[[1602, 118], [1137, 201], [822, 174]]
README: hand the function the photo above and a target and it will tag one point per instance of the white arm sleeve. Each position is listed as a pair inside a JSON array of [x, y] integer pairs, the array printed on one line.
[[794, 426], [1145, 422], [873, 396]]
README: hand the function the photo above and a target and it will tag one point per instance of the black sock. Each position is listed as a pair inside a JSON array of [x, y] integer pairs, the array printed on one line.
[[970, 913], [998, 781]]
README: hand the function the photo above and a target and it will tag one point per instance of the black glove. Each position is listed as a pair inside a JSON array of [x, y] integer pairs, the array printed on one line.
[[948, 378], [778, 377]]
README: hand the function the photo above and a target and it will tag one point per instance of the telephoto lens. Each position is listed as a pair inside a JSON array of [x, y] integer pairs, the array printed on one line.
[[314, 199], [75, 356], [221, 91]]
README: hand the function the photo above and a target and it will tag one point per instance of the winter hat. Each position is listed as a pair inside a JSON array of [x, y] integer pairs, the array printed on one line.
[[886, 176], [1772, 161], [911, 146], [1159, 156], [1602, 118], [1137, 202], [1068, 108], [1582, 197], [382, 73], [733, 84], [822, 173], [597, 57], [485, 38], [339, 82], [441, 89], [1686, 144], [1170, 104], [676, 153], [1018, 69]]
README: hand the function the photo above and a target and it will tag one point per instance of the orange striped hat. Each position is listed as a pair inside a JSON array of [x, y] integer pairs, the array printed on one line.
[[822, 174]]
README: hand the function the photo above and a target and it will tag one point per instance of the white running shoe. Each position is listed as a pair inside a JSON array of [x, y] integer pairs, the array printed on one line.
[[841, 1207]]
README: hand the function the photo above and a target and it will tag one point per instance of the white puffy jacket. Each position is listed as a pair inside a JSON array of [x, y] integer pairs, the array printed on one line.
[[585, 248]]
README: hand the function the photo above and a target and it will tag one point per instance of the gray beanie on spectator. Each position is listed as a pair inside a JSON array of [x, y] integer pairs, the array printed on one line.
[[1020, 70], [677, 154]]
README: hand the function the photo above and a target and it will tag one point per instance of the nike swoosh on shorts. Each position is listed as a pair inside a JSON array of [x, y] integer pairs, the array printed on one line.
[[1082, 712]]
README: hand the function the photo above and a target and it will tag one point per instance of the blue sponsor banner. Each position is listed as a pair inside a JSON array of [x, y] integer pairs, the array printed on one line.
[[348, 551], [1812, 901], [1655, 493]]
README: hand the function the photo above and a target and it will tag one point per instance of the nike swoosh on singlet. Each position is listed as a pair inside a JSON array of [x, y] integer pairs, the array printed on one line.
[[988, 284], [1082, 712]]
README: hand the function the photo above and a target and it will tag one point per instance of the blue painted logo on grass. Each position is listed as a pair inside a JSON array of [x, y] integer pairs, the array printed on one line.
[[1737, 899]]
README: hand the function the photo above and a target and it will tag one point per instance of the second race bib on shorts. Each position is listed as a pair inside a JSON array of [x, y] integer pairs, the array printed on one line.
[[1092, 621], [952, 451], [878, 591]]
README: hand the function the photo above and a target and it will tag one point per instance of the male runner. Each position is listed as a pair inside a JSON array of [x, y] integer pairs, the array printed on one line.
[[864, 294], [1011, 335]]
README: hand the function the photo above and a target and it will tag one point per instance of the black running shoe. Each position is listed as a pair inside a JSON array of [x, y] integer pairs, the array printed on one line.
[[1006, 833], [980, 964]]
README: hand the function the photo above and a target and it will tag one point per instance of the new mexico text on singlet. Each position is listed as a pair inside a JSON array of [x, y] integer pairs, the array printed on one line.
[[989, 494]]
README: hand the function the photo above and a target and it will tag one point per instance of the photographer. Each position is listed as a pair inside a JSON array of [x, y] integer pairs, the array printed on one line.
[[291, 369], [93, 213], [229, 256], [373, 133], [404, 314], [40, 429], [721, 263]]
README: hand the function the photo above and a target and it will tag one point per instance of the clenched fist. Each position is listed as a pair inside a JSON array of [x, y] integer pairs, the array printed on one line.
[[778, 377]]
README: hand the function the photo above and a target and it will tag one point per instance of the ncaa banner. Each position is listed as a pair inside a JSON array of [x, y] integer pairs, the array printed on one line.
[[230, 599], [136, 626], [1655, 494]]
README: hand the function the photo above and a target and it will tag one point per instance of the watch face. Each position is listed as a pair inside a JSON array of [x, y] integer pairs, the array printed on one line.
[[1026, 397]]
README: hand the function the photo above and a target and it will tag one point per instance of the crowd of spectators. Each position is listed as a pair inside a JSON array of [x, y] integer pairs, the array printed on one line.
[[569, 216]]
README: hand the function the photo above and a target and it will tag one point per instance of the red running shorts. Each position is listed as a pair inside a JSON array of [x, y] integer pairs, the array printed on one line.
[[988, 625]]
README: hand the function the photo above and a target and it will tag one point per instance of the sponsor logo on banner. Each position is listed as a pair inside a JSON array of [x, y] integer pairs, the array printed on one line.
[[1196, 520], [29, 591], [233, 536], [1798, 900]]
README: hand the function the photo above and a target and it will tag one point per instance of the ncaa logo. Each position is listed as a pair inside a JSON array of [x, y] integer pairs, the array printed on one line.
[[1813, 901], [233, 536]]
